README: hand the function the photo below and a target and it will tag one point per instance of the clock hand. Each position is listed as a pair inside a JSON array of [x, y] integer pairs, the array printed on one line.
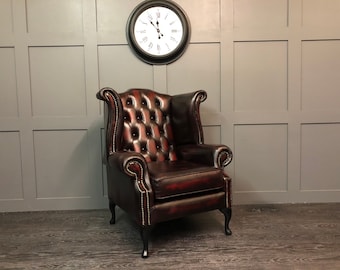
[[154, 25], [157, 28]]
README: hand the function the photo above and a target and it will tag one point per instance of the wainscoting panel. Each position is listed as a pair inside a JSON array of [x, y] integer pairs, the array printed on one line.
[[6, 18], [107, 20], [260, 84], [204, 16], [118, 76], [261, 158], [11, 184], [201, 66], [212, 134], [58, 86], [62, 164], [320, 75], [320, 150], [54, 16], [316, 13], [249, 13], [8, 93]]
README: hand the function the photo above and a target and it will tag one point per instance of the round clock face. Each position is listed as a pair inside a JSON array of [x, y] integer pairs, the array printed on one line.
[[158, 31]]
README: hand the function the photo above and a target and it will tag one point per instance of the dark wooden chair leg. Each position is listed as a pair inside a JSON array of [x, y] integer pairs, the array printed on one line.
[[112, 207], [145, 231], [227, 217]]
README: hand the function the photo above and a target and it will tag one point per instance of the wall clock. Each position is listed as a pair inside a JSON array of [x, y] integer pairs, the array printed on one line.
[[158, 31]]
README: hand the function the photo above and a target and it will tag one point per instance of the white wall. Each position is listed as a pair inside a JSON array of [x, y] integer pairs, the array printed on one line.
[[270, 67]]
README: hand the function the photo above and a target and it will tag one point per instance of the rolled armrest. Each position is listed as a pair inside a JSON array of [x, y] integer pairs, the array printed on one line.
[[135, 196], [120, 159], [218, 156], [133, 164]]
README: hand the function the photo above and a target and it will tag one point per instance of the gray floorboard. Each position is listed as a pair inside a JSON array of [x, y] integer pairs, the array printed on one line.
[[288, 236]]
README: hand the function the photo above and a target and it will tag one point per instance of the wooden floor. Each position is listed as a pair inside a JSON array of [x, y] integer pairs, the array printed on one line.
[[295, 236]]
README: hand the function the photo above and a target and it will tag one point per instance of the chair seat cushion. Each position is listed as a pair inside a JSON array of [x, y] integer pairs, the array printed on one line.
[[171, 179]]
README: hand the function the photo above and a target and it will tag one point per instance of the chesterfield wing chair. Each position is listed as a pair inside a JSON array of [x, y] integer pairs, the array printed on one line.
[[158, 167]]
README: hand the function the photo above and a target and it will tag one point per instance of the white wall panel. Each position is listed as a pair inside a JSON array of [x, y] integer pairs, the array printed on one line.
[[260, 13], [199, 68], [320, 75], [62, 164], [58, 81], [321, 13], [117, 65], [54, 16], [8, 93], [260, 76], [107, 19], [260, 158], [320, 148], [6, 20], [212, 134], [204, 16], [11, 185]]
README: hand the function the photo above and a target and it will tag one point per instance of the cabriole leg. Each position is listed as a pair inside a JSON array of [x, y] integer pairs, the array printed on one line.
[[227, 217], [145, 231], [112, 206]]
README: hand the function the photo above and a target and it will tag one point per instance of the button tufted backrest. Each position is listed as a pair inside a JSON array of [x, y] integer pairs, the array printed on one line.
[[147, 126]]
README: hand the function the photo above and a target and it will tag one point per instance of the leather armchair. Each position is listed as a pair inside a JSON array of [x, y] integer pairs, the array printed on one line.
[[158, 167]]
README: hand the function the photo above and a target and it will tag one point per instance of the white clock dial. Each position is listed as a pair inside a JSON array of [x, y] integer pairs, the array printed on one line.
[[158, 31]]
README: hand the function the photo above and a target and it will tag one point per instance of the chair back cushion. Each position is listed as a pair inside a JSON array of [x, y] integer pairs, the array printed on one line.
[[147, 125]]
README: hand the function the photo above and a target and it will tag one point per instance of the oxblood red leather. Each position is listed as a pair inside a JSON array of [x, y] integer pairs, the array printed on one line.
[[158, 167], [171, 179]]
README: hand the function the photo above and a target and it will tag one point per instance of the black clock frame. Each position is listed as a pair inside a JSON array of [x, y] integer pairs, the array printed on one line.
[[154, 59]]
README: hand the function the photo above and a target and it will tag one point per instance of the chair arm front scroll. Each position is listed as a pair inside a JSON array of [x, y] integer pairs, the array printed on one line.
[[218, 156], [132, 189]]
